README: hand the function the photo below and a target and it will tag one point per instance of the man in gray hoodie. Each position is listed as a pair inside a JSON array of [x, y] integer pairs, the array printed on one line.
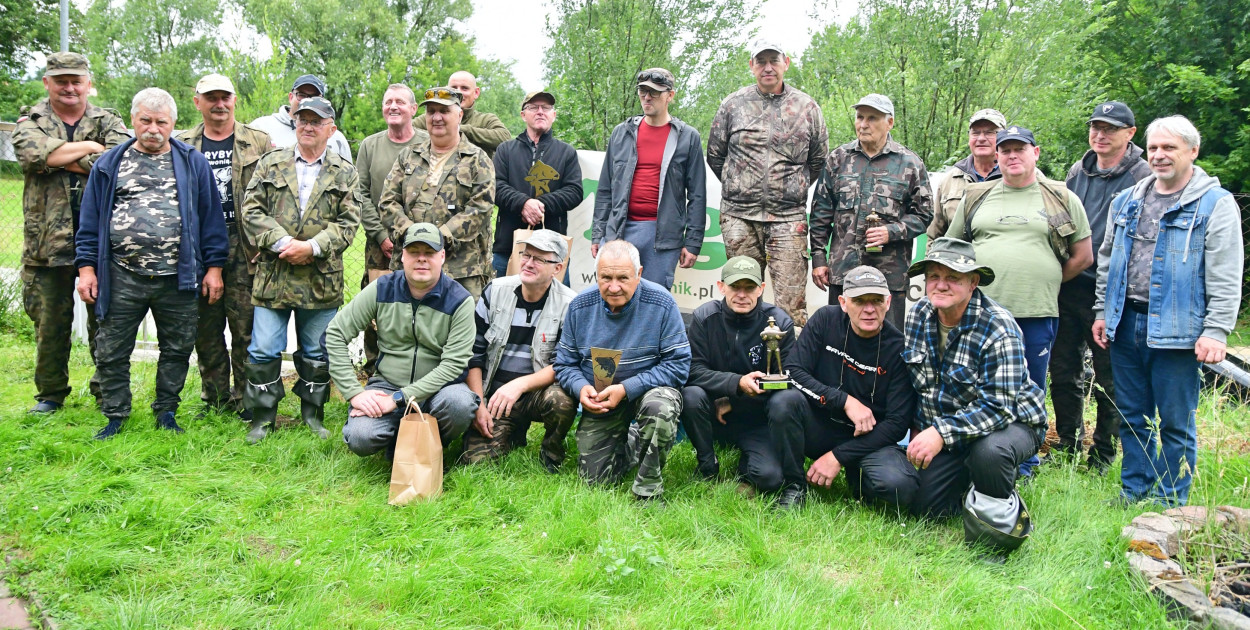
[[1112, 164]]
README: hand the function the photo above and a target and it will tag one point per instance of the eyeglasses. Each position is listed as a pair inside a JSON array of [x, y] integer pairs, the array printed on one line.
[[442, 93], [539, 108], [527, 257], [984, 133], [317, 124], [648, 92], [304, 95], [650, 76], [1105, 130]]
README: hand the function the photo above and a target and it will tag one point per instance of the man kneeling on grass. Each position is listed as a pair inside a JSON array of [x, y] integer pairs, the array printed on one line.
[[980, 415], [624, 353], [425, 339]]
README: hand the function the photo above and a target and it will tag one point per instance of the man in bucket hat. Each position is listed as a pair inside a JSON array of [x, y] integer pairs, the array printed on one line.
[[980, 415]]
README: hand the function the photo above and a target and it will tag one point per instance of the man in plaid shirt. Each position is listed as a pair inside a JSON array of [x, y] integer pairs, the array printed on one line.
[[979, 414]]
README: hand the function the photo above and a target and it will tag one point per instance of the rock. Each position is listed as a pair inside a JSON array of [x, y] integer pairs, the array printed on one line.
[[1225, 619], [1161, 523], [1156, 544], [1154, 569], [1197, 515], [1185, 600], [1240, 516]]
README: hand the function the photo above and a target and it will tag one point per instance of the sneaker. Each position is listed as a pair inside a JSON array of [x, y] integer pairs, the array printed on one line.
[[109, 430], [707, 472], [792, 498], [45, 407], [655, 501], [165, 420]]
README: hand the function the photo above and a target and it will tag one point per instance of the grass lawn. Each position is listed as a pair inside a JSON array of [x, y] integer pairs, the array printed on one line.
[[204, 531]]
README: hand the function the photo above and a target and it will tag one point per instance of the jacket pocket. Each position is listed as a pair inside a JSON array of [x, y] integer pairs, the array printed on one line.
[[264, 284], [328, 283], [888, 197], [918, 366]]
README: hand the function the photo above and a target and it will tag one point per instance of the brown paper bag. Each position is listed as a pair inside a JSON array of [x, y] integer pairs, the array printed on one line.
[[514, 261], [418, 467]]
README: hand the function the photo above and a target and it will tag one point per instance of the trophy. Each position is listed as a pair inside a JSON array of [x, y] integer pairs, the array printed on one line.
[[872, 221], [780, 379]]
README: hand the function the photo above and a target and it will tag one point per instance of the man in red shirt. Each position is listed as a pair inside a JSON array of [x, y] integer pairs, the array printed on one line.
[[652, 187]]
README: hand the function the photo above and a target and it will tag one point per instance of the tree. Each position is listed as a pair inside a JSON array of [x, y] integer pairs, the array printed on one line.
[[27, 26]]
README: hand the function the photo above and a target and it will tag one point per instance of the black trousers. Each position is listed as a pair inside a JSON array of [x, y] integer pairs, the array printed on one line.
[[1067, 375], [898, 305], [989, 463], [750, 426]]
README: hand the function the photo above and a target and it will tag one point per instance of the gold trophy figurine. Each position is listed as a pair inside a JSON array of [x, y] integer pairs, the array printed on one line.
[[780, 379], [873, 220]]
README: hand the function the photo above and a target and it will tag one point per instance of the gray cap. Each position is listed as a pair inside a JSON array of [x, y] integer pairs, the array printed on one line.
[[864, 280], [741, 268], [761, 45], [316, 105], [67, 63], [879, 102], [424, 233], [548, 241], [954, 254], [992, 115]]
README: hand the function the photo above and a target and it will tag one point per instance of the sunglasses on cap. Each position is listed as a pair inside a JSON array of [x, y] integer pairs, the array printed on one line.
[[654, 77], [442, 93]]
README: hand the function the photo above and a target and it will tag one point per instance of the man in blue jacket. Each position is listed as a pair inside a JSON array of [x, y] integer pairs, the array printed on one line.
[[151, 237], [624, 355]]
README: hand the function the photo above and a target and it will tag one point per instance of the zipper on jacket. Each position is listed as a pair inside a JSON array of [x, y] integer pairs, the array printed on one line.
[[415, 343]]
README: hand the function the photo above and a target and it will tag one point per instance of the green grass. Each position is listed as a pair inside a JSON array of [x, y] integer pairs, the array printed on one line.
[[205, 531]]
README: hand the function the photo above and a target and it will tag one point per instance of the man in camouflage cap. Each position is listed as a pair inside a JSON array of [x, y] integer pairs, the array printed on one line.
[[450, 183], [301, 209], [767, 145], [872, 199], [56, 144], [233, 150], [152, 238], [483, 129]]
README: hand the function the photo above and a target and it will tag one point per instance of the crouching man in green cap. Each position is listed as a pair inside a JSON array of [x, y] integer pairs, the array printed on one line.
[[979, 415]]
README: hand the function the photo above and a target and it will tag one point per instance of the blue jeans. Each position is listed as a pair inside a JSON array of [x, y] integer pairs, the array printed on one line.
[[1039, 337], [269, 332], [1149, 380]]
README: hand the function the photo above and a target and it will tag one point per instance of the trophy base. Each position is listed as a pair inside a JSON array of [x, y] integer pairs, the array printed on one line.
[[873, 250], [774, 382]]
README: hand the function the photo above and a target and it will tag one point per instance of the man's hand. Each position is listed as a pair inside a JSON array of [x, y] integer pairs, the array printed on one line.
[[373, 403], [924, 447], [387, 247], [611, 396], [820, 276], [723, 407], [860, 415], [533, 212], [88, 290], [876, 237], [213, 286], [590, 400], [687, 259], [484, 423], [748, 385], [504, 398], [1100, 333], [824, 470], [594, 250], [297, 252], [1209, 350]]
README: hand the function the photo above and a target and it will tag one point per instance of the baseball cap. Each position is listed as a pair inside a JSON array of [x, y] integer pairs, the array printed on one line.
[[316, 105], [864, 280], [761, 45], [992, 115], [310, 79], [741, 268], [424, 233], [657, 79], [1015, 132], [67, 63], [214, 82], [538, 94], [548, 241], [442, 96], [1114, 112], [954, 254], [879, 102]]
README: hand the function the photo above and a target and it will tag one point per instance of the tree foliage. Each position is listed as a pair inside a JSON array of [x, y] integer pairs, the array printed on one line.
[[29, 26]]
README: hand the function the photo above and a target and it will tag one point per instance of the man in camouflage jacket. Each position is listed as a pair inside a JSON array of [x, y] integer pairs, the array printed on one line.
[[870, 175], [767, 146], [233, 150], [448, 182], [301, 209], [56, 144]]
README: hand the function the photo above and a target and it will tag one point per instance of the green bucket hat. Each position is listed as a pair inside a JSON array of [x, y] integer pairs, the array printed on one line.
[[955, 254]]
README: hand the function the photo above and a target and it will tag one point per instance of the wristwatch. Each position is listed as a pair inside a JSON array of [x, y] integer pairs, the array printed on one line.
[[399, 399]]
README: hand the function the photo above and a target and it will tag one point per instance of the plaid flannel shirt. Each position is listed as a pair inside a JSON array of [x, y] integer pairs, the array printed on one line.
[[981, 384]]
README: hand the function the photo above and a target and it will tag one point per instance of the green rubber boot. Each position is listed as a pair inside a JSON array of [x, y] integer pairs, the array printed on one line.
[[261, 395]]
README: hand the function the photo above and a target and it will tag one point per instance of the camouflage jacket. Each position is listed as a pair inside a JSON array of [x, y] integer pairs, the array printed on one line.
[[270, 211], [951, 191], [483, 129], [460, 204], [767, 150], [894, 184], [48, 217], [249, 145]]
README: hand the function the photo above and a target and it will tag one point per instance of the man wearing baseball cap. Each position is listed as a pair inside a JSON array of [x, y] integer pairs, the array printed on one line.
[[767, 145], [448, 182], [280, 125], [56, 144], [853, 399], [980, 415], [301, 209], [1113, 163], [981, 165], [425, 331], [233, 151], [722, 400], [518, 323], [871, 201], [483, 129], [538, 180]]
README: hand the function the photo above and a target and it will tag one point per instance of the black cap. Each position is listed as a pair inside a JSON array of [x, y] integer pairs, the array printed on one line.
[[1114, 112], [310, 79], [1015, 132]]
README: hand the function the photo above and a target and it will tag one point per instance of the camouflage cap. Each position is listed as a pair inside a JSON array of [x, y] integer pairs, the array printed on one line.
[[741, 268], [424, 233], [864, 280], [441, 95], [954, 254], [539, 94], [316, 105], [548, 241], [67, 63], [879, 102], [992, 115]]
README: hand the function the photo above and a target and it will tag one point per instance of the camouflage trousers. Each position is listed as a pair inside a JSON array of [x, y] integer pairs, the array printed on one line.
[[233, 310], [48, 299], [606, 450], [781, 246], [551, 406], [371, 331], [474, 285]]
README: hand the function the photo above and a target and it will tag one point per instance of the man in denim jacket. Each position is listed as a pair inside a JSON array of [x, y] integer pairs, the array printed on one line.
[[1169, 285]]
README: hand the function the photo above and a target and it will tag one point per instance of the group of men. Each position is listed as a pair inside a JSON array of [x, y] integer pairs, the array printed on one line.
[[244, 226]]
